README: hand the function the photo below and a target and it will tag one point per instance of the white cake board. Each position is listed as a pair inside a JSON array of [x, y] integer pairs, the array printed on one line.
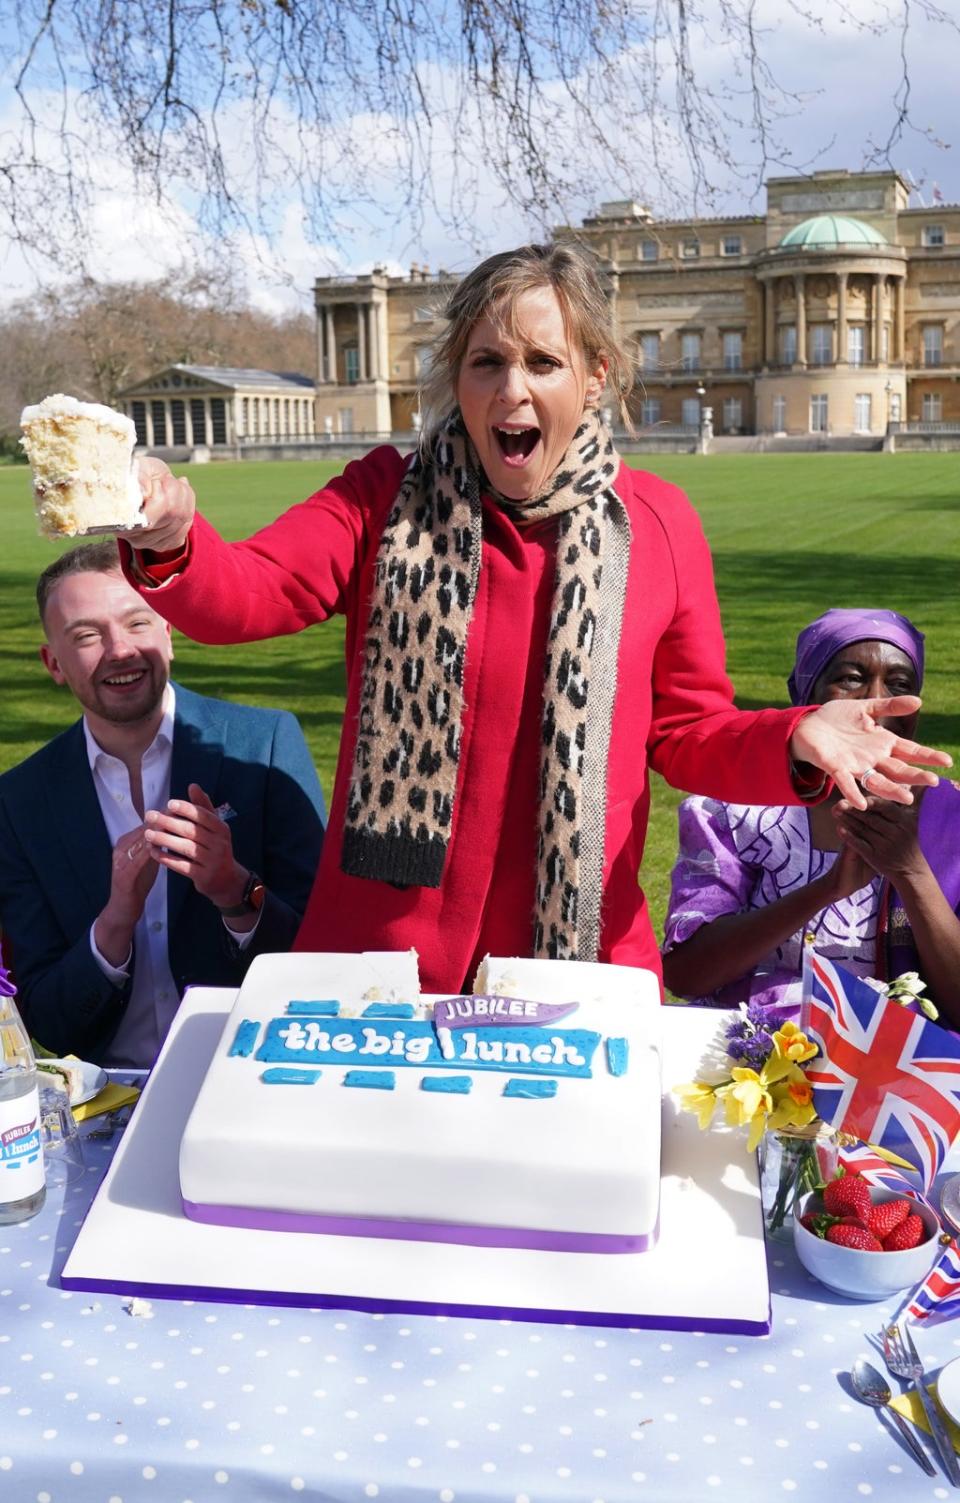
[[136, 1240]]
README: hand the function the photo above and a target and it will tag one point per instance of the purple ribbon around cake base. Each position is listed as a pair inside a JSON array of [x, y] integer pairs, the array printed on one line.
[[419, 1231]]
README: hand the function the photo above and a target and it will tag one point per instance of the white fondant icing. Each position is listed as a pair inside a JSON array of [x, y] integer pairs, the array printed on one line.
[[584, 1161]]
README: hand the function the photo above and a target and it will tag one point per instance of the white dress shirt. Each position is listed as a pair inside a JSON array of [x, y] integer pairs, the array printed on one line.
[[153, 995]]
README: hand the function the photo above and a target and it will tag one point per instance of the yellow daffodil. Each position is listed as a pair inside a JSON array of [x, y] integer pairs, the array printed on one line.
[[792, 1102], [747, 1101], [793, 1044], [700, 1098]]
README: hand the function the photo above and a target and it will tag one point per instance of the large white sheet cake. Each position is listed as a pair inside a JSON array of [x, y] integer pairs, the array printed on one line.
[[337, 1101]]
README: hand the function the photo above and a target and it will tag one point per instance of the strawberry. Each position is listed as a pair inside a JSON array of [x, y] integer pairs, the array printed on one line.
[[817, 1222], [851, 1234], [884, 1217], [847, 1195], [909, 1233]]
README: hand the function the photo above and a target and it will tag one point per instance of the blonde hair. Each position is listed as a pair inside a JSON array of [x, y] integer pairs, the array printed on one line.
[[493, 289]]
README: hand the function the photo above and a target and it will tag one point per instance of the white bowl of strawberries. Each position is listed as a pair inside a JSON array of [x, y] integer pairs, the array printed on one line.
[[863, 1241]]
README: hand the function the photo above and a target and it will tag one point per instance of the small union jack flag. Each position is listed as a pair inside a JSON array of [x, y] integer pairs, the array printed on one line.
[[886, 1075], [939, 1294], [861, 1159]]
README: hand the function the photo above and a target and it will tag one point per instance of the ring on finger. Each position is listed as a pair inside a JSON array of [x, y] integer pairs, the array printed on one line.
[[865, 776]]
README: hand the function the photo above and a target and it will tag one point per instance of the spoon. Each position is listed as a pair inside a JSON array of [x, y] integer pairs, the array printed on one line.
[[875, 1391]]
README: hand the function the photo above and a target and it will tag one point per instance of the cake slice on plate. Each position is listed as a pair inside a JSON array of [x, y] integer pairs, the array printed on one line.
[[84, 475]]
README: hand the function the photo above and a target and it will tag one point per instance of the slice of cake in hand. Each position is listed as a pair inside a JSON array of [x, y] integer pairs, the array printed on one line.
[[340, 1101], [84, 475]]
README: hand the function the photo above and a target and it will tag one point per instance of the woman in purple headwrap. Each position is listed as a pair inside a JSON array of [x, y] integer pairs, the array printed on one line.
[[878, 888]]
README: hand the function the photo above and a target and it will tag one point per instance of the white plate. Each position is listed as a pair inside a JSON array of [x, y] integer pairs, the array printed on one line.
[[948, 1389], [950, 1201], [92, 1079]]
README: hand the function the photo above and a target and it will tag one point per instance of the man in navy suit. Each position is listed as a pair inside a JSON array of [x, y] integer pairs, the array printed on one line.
[[162, 841]]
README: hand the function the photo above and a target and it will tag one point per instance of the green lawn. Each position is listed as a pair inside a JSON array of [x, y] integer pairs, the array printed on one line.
[[791, 535]]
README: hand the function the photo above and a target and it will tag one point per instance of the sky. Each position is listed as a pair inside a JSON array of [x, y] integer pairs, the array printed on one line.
[[842, 69]]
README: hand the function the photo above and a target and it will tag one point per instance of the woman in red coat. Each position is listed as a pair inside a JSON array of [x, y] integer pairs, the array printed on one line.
[[530, 624]]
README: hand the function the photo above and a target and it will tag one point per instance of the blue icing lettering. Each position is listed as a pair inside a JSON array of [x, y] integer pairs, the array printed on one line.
[[531, 1090], [322, 1008], [290, 1077], [618, 1056], [373, 1080], [415, 1043], [452, 1085], [245, 1039], [389, 1010]]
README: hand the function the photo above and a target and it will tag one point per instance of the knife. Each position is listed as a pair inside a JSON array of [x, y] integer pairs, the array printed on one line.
[[937, 1428]]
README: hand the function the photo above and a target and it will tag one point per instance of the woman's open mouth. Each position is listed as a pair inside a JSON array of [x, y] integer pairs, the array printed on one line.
[[517, 444]]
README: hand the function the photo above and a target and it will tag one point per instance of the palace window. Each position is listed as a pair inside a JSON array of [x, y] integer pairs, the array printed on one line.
[[788, 344], [650, 350], [732, 350], [649, 412], [818, 413], [732, 414], [690, 412], [932, 236], [855, 343], [649, 250], [862, 412], [779, 414], [689, 250], [690, 352], [178, 421], [159, 412], [351, 364], [138, 411], [821, 344], [731, 245], [932, 407], [933, 344]]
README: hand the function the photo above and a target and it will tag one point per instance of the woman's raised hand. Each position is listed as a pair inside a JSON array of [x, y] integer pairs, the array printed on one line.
[[847, 739], [168, 505]]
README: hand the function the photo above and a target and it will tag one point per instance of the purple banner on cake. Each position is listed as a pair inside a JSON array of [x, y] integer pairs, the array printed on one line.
[[487, 1011]]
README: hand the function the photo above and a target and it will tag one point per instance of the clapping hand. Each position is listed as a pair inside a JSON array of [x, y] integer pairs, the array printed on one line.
[[189, 837], [846, 740]]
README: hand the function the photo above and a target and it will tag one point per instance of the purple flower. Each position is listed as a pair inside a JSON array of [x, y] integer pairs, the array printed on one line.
[[7, 988]]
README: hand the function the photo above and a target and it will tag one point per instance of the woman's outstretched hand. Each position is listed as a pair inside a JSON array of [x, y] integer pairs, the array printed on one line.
[[846, 740], [168, 507]]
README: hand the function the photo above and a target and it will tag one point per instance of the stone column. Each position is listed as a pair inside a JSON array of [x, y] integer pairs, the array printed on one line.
[[900, 348], [208, 420], [362, 341], [877, 315], [330, 374], [800, 284], [373, 325], [769, 323], [148, 419], [188, 422], [841, 318], [321, 330]]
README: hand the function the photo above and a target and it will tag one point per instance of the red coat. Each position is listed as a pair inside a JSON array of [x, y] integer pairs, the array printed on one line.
[[673, 708]]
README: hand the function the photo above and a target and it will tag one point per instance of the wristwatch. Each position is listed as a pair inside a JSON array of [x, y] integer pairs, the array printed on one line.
[[252, 901]]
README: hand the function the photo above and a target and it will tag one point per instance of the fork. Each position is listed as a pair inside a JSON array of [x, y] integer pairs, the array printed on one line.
[[903, 1360]]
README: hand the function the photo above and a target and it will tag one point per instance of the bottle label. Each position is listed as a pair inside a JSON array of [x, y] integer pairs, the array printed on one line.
[[21, 1151]]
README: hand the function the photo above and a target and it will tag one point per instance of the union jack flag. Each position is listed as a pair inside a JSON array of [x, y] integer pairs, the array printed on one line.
[[886, 1075], [939, 1294], [861, 1159]]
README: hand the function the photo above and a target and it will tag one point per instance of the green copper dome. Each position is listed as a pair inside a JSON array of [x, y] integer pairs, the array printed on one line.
[[832, 229]]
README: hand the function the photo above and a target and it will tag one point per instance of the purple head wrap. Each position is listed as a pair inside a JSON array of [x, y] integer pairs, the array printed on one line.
[[837, 628]]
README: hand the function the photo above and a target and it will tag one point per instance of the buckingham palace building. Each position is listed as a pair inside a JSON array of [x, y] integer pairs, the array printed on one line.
[[836, 313]]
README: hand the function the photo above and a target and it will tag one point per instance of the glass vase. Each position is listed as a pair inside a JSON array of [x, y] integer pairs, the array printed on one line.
[[792, 1162]]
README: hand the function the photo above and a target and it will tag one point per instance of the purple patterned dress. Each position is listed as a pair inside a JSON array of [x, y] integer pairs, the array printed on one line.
[[736, 857]]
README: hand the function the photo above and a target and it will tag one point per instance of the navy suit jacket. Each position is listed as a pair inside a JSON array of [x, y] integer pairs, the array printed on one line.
[[55, 860]]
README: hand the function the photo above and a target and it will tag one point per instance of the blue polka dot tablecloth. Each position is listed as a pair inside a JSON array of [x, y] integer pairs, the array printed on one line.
[[107, 1400]]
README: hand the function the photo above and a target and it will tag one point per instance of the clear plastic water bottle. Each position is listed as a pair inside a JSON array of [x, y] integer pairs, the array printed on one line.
[[22, 1184]]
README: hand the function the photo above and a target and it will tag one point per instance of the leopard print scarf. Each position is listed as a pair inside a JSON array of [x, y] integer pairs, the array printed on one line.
[[402, 791]]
